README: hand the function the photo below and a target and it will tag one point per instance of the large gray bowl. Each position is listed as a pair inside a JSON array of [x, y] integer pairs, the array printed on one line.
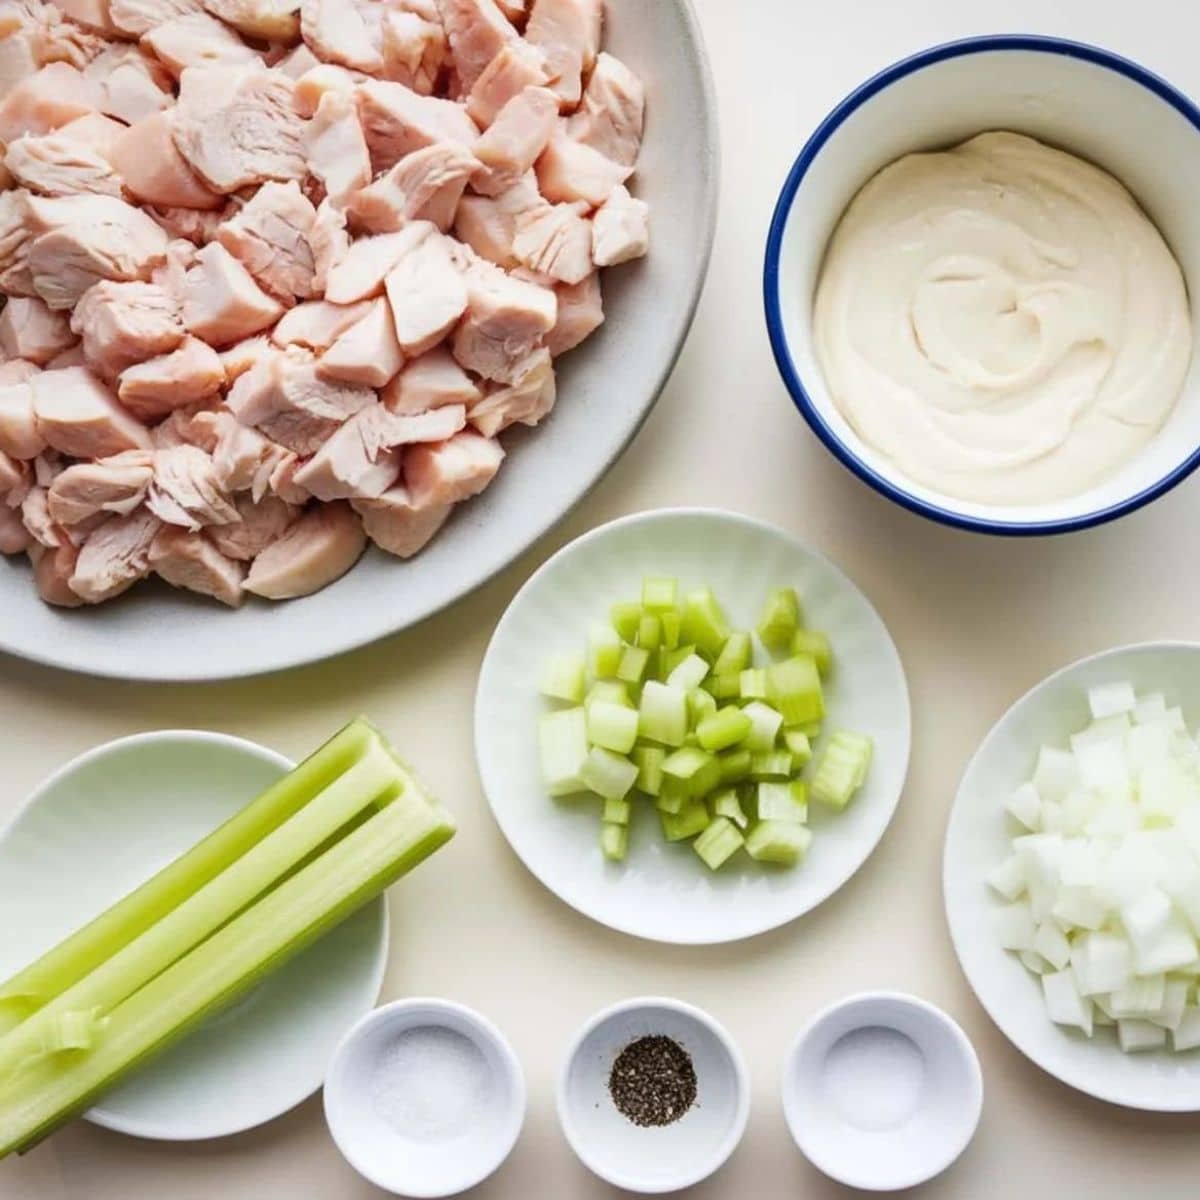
[[606, 389]]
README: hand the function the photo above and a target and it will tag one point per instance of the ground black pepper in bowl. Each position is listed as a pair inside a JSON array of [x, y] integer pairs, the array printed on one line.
[[653, 1081]]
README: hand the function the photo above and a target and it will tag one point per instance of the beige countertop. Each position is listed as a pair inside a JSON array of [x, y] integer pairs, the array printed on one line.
[[977, 621]]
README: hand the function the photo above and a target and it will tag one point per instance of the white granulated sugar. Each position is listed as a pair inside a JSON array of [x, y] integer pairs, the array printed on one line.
[[430, 1083]]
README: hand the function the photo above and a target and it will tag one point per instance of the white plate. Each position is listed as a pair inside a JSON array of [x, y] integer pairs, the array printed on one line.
[[606, 389], [663, 892], [105, 823], [978, 839]]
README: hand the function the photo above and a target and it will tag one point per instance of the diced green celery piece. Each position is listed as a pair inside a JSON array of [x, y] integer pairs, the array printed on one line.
[[672, 795], [736, 655], [633, 664], [227, 964], [771, 764], [671, 623], [649, 760], [783, 842], [735, 765], [794, 688], [659, 593], [752, 683], [704, 622], [689, 673], [604, 651], [563, 748], [816, 646], [79, 954], [649, 632], [662, 714], [613, 691], [782, 802], [700, 706], [686, 762], [614, 841], [625, 618], [565, 678], [612, 726], [765, 723], [727, 803], [811, 729], [841, 768], [616, 812], [672, 658], [779, 620], [718, 843], [690, 820], [723, 729], [799, 745], [608, 774], [725, 687]]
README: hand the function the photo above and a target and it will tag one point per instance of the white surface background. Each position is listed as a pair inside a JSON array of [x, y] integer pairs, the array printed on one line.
[[977, 621]]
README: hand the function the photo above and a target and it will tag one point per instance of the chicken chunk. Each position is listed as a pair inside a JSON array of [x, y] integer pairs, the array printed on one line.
[[190, 561], [198, 40], [396, 121], [345, 32], [367, 353], [433, 380], [19, 434], [395, 525], [316, 550], [270, 238], [322, 80], [78, 416], [414, 49], [488, 224], [446, 472], [35, 515], [126, 323], [613, 112], [569, 171], [114, 557], [580, 314], [568, 33], [518, 66], [506, 320], [44, 101], [243, 460], [14, 537], [515, 140], [477, 31], [329, 240], [263, 522], [336, 147], [195, 225], [17, 370], [425, 289], [129, 84], [52, 574], [185, 491], [361, 273], [556, 242], [15, 481], [620, 229], [110, 485], [94, 130], [137, 17], [222, 303], [297, 62], [53, 165], [526, 401], [318, 324], [266, 20], [424, 185], [31, 331], [184, 376], [154, 171]]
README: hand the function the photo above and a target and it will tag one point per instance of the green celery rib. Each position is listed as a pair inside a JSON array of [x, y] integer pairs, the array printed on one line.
[[375, 777], [83, 951], [229, 963]]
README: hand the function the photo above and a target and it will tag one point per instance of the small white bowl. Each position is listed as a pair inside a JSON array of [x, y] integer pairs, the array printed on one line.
[[442, 1164], [663, 1158], [882, 1091]]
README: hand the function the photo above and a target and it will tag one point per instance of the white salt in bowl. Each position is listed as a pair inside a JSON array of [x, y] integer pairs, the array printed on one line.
[[425, 1098]]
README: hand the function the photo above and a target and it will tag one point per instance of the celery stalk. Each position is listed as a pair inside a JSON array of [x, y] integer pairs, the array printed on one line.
[[617, 812], [671, 625], [727, 803], [633, 664], [719, 841], [659, 594], [782, 842], [736, 655], [692, 819], [73, 958], [612, 726], [614, 841], [649, 632], [723, 729], [649, 760], [841, 769], [816, 646], [704, 622], [229, 963], [625, 618], [564, 678], [780, 617]]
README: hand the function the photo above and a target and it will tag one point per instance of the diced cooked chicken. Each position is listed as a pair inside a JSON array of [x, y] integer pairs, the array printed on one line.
[[222, 303], [110, 485], [336, 148], [317, 324], [15, 480], [555, 241], [620, 229], [515, 140], [446, 472], [526, 401], [270, 238], [52, 574], [42, 102], [262, 523], [72, 357], [184, 376], [137, 17], [518, 66], [345, 32], [425, 185], [78, 416], [198, 40], [243, 460], [367, 353], [126, 323], [190, 561], [329, 240], [94, 130], [14, 537], [396, 121], [267, 20], [425, 289], [361, 272], [394, 525], [431, 381], [318, 81], [195, 225], [488, 224], [580, 314], [414, 49], [316, 550], [185, 491], [19, 434], [297, 62], [286, 400], [569, 171], [90, 13], [114, 557], [506, 319], [47, 466], [283, 481], [18, 225], [478, 31], [154, 171], [613, 112], [238, 127], [128, 83], [53, 165], [568, 33], [183, 428], [31, 331], [35, 515], [243, 355]]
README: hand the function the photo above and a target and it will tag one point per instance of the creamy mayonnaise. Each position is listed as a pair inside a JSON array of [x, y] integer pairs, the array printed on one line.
[[1002, 321]]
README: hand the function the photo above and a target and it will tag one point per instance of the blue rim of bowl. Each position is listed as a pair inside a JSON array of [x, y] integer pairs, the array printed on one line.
[[775, 327]]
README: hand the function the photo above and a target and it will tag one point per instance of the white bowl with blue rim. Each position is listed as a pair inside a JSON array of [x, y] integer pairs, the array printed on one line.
[[1085, 100]]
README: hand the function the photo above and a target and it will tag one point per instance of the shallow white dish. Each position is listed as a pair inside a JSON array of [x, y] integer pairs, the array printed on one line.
[[882, 1091], [665, 1158], [606, 389], [443, 1165], [105, 823], [978, 838], [663, 892]]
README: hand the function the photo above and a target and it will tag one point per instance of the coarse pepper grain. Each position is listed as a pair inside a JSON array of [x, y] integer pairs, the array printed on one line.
[[653, 1081]]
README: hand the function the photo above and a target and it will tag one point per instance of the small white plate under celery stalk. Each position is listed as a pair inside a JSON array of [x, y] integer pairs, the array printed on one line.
[[628, 862]]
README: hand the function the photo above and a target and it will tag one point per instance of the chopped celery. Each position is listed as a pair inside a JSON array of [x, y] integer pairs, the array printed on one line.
[[672, 795], [735, 765], [565, 678], [724, 687], [752, 683], [649, 632], [810, 729], [612, 726], [736, 655], [799, 745], [226, 965], [783, 842], [632, 666], [649, 760], [672, 658], [704, 622], [718, 843], [794, 688], [765, 723], [700, 706], [723, 729], [604, 651], [68, 1031], [692, 819], [659, 594], [662, 715], [614, 841], [780, 617], [816, 646], [607, 774], [671, 624], [625, 618], [563, 746], [616, 812], [689, 673], [727, 804], [782, 802], [841, 769], [613, 691], [687, 762], [771, 764]]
